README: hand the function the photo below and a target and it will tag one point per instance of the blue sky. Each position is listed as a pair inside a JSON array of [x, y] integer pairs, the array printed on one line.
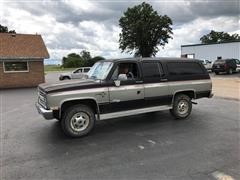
[[73, 25]]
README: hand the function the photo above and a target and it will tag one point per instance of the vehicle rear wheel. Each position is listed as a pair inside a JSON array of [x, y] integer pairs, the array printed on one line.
[[230, 71], [78, 121], [216, 73], [65, 78], [182, 106]]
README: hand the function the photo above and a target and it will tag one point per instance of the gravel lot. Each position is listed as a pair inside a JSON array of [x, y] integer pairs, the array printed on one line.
[[150, 146]]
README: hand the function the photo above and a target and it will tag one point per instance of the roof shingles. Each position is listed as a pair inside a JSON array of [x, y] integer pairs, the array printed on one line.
[[14, 46]]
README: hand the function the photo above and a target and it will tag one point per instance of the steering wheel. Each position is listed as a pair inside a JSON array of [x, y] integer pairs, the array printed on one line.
[[130, 75]]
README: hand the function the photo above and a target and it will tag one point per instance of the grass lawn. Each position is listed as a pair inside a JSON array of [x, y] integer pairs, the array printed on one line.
[[49, 68]]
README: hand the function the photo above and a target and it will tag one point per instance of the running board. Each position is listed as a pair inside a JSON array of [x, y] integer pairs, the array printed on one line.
[[133, 112]]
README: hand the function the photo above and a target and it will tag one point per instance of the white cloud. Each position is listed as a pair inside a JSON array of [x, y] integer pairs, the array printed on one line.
[[100, 35], [190, 33]]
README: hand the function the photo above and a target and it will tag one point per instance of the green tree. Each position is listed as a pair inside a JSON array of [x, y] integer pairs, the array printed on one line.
[[143, 30], [4, 29], [85, 55], [72, 60], [93, 60], [217, 37], [75, 60]]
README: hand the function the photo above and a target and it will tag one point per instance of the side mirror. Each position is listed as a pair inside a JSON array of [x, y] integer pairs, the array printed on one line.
[[117, 83], [122, 77]]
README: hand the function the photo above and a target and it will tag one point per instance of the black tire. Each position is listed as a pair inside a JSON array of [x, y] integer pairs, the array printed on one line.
[[216, 73], [66, 78], [78, 121], [230, 71], [185, 102]]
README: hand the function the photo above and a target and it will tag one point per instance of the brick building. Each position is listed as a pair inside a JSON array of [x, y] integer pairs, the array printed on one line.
[[21, 60]]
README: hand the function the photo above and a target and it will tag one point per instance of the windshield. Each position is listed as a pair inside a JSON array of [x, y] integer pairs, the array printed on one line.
[[100, 70]]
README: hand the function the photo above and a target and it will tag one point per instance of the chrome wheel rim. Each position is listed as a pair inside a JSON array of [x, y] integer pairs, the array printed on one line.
[[183, 107], [79, 121]]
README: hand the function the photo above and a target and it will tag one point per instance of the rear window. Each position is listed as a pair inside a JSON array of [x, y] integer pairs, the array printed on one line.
[[86, 70], [220, 60], [184, 68]]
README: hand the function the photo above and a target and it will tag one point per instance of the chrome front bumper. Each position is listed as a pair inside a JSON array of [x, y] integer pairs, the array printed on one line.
[[47, 114]]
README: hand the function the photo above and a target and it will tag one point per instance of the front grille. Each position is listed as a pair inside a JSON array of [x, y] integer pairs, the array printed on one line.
[[42, 98]]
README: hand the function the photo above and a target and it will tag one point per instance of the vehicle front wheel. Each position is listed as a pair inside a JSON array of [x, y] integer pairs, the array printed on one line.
[[78, 121], [182, 106]]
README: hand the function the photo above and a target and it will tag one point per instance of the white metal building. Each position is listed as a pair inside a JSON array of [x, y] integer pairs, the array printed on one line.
[[212, 51]]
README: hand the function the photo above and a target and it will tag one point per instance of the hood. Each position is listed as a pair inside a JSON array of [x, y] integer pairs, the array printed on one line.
[[69, 85]]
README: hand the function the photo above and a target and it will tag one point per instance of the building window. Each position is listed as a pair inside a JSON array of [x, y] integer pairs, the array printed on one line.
[[16, 66], [191, 56]]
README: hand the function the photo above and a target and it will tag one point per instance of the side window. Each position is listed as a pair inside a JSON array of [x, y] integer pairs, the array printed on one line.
[[230, 62], [86, 70], [237, 61], [151, 71], [16, 66], [184, 68], [127, 71], [77, 71]]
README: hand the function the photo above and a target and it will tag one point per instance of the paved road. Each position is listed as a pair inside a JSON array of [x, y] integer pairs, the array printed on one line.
[[151, 146]]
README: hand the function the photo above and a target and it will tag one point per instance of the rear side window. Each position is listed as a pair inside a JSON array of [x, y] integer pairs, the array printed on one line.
[[184, 68], [86, 70], [152, 71], [237, 61]]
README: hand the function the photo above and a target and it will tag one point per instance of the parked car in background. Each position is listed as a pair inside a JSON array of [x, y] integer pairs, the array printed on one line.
[[224, 65], [238, 64], [76, 74], [207, 64]]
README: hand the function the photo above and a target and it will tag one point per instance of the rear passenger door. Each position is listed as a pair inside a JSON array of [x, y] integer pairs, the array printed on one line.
[[155, 84]]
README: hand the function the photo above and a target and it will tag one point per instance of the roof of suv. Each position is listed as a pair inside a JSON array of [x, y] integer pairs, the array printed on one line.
[[166, 59], [224, 60]]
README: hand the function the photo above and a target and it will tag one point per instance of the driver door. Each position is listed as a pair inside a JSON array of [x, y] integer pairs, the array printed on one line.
[[77, 74], [130, 94]]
